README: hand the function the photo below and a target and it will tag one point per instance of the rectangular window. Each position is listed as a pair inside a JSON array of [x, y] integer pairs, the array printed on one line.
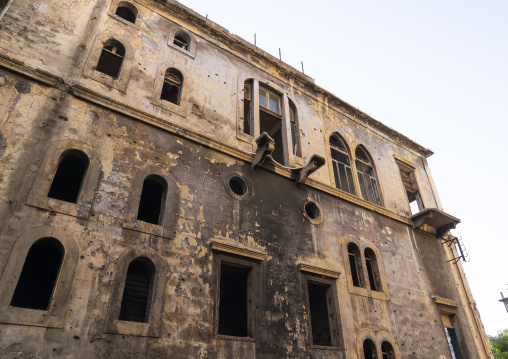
[[413, 194], [451, 336], [235, 300], [323, 316], [269, 101], [247, 108]]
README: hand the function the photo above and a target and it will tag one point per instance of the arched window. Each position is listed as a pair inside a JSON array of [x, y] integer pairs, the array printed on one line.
[[367, 176], [69, 176], [387, 351], [111, 59], [182, 40], [137, 291], [39, 275], [372, 270], [172, 87], [295, 133], [127, 11], [355, 264], [369, 349], [341, 163], [151, 204], [248, 128]]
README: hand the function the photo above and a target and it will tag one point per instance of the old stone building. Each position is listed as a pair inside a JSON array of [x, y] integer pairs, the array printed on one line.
[[168, 190]]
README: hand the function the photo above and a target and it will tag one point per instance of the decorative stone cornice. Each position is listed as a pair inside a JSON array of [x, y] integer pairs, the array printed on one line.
[[444, 301], [238, 250], [309, 268]]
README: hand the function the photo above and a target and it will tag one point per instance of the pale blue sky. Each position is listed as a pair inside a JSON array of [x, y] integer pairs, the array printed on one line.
[[434, 71]]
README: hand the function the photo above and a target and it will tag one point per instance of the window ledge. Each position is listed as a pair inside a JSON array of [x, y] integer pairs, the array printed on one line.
[[125, 22], [323, 347], [149, 228], [240, 339], [131, 328]]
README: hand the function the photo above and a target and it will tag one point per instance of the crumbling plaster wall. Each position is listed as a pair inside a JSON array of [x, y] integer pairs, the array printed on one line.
[[32, 121], [211, 107]]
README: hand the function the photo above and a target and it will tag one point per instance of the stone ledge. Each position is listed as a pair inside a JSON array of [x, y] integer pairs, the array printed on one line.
[[242, 251], [308, 268]]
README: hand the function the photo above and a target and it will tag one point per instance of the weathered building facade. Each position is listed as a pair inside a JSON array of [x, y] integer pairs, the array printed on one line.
[[168, 190]]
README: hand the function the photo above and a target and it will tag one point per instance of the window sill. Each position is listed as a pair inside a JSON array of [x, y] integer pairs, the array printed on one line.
[[30, 317], [123, 21], [240, 339], [148, 228], [190, 53], [118, 83], [178, 109], [79, 210], [323, 347], [132, 328]]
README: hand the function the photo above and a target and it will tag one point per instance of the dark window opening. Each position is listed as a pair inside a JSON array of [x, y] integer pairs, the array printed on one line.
[[355, 264], [319, 301], [111, 59], [453, 343], [367, 177], [341, 165], [369, 349], [235, 302], [238, 185], [247, 108], [312, 210], [69, 177], [3, 4], [372, 270], [151, 204], [181, 42], [295, 134], [38, 277], [172, 87], [137, 292], [272, 125], [387, 351], [413, 194], [127, 12]]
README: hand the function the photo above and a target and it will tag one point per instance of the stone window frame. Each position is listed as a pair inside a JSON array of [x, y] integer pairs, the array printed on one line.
[[306, 277], [376, 174], [290, 160], [153, 327], [174, 29], [169, 218], [98, 44], [55, 315], [38, 196], [352, 158], [183, 108], [114, 7], [364, 291], [244, 261], [378, 337]]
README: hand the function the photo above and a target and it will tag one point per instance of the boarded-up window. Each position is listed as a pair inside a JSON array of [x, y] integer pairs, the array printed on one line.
[[37, 281], [235, 300], [111, 59], [355, 264], [136, 299], [367, 177], [151, 203], [69, 176], [341, 163]]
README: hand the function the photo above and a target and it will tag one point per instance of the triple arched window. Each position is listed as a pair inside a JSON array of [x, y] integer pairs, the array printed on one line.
[[344, 168], [356, 268]]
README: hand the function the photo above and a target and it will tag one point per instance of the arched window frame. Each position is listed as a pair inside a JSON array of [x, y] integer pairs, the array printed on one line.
[[286, 97], [139, 12], [372, 268], [369, 344], [378, 337], [66, 154], [120, 265], [55, 315], [177, 31], [374, 177], [365, 290], [166, 228], [174, 78], [182, 108], [349, 168], [164, 186], [47, 169], [90, 71]]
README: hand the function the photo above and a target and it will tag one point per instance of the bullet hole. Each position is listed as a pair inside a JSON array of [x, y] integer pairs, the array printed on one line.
[[109, 135], [23, 87], [76, 337], [82, 257], [63, 118]]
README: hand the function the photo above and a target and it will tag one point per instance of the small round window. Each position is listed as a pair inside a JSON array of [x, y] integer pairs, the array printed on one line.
[[237, 186], [311, 211]]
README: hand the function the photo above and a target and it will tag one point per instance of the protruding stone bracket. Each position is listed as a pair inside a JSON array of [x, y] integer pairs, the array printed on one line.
[[265, 147], [300, 174], [436, 218]]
